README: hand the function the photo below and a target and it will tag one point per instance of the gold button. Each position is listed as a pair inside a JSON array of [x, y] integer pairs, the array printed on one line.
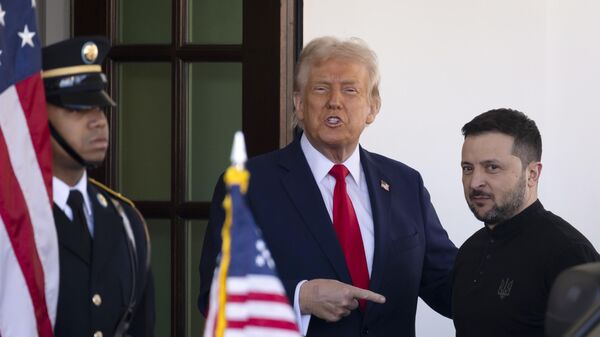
[[98, 334], [97, 300]]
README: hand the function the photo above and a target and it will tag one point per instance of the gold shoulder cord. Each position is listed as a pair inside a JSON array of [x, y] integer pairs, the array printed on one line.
[[111, 192], [122, 213]]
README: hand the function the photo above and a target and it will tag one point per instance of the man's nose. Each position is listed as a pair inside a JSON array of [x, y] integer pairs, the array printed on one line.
[[97, 118], [335, 100], [477, 178]]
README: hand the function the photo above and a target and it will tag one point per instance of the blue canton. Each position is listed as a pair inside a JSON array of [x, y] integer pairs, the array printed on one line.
[[20, 55]]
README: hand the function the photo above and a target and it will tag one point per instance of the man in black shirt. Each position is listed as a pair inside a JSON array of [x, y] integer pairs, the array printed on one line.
[[504, 272]]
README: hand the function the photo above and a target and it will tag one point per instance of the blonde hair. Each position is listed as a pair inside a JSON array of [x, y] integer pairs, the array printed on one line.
[[329, 47]]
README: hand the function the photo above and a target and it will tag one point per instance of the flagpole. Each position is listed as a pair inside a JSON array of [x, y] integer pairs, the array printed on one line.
[[238, 151], [234, 174], [247, 298]]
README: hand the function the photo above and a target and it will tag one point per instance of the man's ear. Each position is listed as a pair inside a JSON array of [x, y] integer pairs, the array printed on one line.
[[534, 170], [298, 105], [374, 106]]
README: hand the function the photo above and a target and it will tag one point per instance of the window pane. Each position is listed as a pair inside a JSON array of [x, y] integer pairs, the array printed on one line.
[[215, 21], [214, 114], [195, 320], [160, 239], [144, 21], [145, 130]]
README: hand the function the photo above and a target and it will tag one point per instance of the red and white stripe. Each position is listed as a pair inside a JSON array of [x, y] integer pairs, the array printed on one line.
[[29, 268], [256, 306]]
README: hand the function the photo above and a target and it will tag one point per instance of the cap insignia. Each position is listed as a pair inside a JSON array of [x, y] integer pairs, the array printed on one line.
[[89, 52]]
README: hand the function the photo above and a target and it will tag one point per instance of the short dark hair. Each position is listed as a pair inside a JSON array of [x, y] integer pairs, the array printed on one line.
[[527, 140]]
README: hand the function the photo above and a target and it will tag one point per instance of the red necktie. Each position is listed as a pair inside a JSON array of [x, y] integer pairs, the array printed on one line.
[[346, 226]]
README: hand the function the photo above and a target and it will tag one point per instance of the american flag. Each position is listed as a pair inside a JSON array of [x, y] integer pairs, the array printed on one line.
[[253, 301], [29, 273]]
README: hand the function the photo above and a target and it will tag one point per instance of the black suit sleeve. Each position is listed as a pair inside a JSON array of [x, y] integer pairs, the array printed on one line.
[[142, 324], [144, 315]]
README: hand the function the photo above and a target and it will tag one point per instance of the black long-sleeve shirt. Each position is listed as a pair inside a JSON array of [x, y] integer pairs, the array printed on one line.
[[502, 277]]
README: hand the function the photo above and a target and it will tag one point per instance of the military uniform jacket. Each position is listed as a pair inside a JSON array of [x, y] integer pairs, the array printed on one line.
[[95, 293]]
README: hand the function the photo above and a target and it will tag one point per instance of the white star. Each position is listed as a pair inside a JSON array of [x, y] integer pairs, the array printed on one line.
[[0, 58], [27, 37], [33, 3], [2, 13]]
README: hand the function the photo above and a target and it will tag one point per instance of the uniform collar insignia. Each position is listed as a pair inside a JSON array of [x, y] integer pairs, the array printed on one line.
[[102, 200]]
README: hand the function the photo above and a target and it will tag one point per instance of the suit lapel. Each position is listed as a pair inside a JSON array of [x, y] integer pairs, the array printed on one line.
[[69, 238], [107, 230], [306, 197], [381, 207]]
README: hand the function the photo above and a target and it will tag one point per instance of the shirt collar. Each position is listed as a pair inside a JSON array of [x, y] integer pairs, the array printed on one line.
[[320, 165], [517, 223], [60, 192]]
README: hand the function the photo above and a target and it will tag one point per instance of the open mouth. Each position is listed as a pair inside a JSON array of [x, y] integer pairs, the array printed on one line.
[[333, 121]]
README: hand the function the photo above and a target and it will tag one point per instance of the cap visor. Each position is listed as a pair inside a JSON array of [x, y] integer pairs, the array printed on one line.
[[86, 100]]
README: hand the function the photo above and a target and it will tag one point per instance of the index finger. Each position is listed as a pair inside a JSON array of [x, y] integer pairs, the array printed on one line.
[[364, 294]]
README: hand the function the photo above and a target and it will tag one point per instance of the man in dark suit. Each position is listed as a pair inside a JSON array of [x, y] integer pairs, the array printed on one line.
[[106, 286], [344, 225]]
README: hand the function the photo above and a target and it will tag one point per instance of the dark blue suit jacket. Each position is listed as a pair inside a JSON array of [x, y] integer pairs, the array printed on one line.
[[413, 254]]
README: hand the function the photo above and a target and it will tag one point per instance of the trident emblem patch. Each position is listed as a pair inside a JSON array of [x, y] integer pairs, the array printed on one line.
[[505, 287]]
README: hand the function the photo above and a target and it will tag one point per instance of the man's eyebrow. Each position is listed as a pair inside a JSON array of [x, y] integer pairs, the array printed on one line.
[[489, 161]]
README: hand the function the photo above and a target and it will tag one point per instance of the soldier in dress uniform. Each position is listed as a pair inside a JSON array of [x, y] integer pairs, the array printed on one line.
[[106, 286]]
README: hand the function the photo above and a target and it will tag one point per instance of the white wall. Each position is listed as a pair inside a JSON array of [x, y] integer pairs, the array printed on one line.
[[444, 62], [55, 20]]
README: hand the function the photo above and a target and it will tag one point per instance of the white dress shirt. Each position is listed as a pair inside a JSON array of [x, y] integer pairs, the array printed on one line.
[[356, 185], [60, 194]]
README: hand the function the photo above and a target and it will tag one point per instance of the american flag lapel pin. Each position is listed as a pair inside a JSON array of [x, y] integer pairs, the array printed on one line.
[[384, 185]]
